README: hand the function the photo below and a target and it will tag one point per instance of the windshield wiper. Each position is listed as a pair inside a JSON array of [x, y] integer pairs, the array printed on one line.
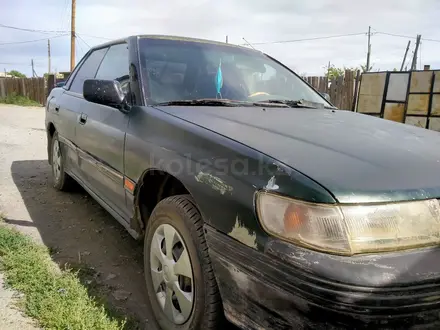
[[223, 103], [207, 102], [300, 104], [234, 103]]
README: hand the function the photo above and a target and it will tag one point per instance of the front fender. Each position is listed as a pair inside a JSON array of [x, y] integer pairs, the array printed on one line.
[[222, 175]]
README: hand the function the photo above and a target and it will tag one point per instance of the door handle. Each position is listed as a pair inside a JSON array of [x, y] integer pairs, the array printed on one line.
[[82, 118]]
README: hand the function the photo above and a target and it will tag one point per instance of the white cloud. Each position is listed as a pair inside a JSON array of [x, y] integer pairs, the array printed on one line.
[[256, 20]]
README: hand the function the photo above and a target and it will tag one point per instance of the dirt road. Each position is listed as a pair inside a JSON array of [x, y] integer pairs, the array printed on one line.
[[73, 225]]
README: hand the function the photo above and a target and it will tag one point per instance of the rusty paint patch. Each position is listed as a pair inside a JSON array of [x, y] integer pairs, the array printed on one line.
[[418, 104], [242, 235], [416, 121], [421, 82], [394, 112], [214, 182]]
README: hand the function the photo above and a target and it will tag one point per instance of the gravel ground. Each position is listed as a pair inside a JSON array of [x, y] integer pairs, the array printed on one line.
[[72, 224]]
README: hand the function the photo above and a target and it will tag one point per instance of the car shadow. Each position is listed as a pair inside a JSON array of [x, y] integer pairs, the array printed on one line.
[[82, 236]]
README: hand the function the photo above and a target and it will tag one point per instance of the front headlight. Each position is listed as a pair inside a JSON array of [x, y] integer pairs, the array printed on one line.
[[351, 229]]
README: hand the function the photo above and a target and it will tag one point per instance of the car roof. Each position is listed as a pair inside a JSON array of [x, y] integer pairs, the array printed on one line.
[[165, 37]]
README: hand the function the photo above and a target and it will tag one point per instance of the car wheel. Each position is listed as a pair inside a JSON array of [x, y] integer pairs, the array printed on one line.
[[182, 288], [61, 180]]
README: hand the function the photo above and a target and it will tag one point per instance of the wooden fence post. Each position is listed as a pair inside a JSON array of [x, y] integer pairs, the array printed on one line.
[[50, 84], [33, 88], [356, 90], [315, 82], [341, 91], [2, 88], [23, 86], [347, 89], [42, 89]]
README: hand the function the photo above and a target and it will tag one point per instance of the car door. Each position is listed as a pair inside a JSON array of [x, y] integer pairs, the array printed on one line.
[[101, 135], [68, 103]]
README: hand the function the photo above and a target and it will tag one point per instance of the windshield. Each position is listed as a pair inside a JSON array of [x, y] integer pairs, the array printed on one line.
[[174, 70]]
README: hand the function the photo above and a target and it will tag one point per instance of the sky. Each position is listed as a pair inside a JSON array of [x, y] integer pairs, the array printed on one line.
[[258, 21]]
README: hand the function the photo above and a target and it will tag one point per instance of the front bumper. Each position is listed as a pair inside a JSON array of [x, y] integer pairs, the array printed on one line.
[[288, 287]]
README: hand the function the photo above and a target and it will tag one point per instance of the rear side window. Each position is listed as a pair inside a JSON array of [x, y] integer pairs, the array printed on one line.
[[114, 66], [87, 70]]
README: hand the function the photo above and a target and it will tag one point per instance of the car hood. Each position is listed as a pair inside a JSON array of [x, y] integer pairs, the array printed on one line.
[[358, 158]]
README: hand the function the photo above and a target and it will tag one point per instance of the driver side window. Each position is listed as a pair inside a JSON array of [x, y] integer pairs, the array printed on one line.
[[87, 70], [115, 66]]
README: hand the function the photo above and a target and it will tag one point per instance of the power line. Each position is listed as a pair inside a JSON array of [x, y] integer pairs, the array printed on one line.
[[8, 63], [64, 12], [308, 39], [30, 30], [434, 40], [83, 40], [80, 47], [395, 35], [406, 37], [29, 41], [338, 36], [49, 31]]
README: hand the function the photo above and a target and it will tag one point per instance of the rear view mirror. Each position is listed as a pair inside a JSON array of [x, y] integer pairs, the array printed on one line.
[[106, 92]]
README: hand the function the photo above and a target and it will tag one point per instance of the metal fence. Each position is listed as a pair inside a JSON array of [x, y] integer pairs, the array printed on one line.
[[411, 97]]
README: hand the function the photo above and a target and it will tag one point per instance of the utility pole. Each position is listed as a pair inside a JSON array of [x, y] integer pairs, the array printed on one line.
[[33, 71], [226, 39], [369, 50], [48, 55], [72, 36], [414, 61], [406, 53]]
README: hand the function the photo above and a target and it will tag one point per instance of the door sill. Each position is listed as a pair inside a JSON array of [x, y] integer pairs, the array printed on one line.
[[107, 207]]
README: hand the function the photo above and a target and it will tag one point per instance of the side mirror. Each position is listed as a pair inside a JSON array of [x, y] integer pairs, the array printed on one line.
[[326, 96], [105, 92]]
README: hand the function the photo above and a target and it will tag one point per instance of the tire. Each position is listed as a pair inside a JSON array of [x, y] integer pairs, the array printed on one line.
[[61, 180], [179, 213]]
